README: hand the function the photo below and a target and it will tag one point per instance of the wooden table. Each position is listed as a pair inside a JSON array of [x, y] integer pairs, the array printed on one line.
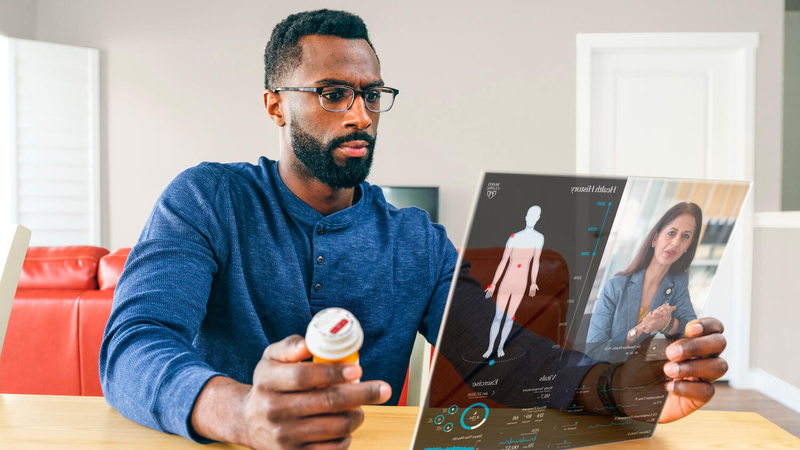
[[55, 422]]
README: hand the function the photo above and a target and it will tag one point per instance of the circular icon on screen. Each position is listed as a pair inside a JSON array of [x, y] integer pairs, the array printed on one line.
[[474, 416], [448, 428], [452, 410], [438, 420]]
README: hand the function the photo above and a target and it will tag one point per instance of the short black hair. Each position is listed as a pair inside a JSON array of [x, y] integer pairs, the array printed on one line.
[[283, 53]]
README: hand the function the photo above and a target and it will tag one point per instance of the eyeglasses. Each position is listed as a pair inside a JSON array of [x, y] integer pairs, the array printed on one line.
[[341, 98]]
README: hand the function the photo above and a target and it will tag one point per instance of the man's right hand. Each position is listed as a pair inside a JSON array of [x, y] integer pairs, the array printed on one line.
[[296, 404]]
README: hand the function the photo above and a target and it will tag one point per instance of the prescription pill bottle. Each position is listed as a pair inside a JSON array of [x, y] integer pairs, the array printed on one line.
[[334, 335]]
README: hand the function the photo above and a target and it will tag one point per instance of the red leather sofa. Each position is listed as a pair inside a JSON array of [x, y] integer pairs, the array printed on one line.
[[60, 310]]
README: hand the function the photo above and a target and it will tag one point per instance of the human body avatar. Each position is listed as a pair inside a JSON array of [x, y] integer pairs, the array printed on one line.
[[522, 247]]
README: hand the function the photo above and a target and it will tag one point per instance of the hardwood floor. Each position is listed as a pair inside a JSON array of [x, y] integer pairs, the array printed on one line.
[[730, 399]]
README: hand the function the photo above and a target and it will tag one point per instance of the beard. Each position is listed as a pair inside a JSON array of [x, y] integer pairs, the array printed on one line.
[[318, 162]]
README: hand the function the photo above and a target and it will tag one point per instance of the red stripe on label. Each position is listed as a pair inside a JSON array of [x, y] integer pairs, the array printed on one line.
[[339, 326]]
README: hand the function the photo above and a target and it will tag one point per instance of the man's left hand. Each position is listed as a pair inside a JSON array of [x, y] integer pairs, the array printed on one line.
[[694, 363]]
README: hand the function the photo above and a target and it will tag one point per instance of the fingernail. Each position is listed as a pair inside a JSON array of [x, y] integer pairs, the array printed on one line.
[[671, 369], [386, 391], [674, 352], [301, 343], [696, 329], [351, 372], [670, 386]]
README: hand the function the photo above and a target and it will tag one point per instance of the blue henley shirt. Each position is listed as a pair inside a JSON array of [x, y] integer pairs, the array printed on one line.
[[231, 260]]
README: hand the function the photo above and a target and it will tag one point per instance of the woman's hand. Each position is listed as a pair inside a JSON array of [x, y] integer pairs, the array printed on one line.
[[666, 310], [658, 318], [534, 288], [652, 322], [490, 291]]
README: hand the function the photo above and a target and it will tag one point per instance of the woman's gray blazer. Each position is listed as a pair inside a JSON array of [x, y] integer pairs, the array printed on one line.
[[617, 308]]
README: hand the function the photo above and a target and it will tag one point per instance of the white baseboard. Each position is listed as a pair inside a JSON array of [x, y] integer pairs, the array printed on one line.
[[773, 387]]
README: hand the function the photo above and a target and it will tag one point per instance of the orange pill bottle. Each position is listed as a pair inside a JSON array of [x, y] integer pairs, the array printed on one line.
[[334, 336]]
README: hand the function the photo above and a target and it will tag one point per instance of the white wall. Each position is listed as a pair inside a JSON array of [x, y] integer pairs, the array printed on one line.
[[18, 18], [775, 304], [482, 88]]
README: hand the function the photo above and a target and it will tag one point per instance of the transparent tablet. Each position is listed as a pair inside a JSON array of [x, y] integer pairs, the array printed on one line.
[[567, 291]]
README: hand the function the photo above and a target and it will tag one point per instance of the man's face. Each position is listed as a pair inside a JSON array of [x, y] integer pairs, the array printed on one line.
[[334, 147]]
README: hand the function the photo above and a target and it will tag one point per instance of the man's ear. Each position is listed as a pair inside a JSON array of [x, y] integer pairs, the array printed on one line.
[[274, 107]]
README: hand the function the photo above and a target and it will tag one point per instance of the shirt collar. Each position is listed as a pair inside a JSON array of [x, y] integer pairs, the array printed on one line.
[[302, 211]]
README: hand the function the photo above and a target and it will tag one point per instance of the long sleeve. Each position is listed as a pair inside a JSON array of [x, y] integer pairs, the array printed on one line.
[[684, 310], [600, 327], [149, 369], [443, 264]]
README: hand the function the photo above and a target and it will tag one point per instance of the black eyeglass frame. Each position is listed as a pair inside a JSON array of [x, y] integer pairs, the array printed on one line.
[[356, 92]]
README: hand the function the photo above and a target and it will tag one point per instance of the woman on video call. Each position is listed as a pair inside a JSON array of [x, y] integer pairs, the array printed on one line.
[[651, 295]]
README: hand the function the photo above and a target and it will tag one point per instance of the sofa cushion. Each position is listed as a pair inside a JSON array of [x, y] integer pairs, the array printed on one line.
[[111, 267], [71, 267], [40, 355]]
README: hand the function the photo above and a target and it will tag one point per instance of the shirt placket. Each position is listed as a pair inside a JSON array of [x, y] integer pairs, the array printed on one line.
[[319, 279]]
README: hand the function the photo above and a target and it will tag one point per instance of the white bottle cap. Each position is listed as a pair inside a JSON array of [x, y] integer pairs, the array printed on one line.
[[334, 333]]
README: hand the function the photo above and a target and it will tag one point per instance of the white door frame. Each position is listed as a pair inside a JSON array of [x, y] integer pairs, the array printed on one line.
[[743, 46]]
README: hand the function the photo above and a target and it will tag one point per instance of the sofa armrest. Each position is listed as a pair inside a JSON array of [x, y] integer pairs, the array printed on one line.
[[110, 268]]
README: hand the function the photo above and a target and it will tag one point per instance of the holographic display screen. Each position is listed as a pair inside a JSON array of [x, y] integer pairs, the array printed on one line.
[[549, 287]]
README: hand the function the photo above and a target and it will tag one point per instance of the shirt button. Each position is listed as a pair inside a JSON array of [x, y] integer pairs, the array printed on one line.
[[317, 287], [320, 259], [320, 231]]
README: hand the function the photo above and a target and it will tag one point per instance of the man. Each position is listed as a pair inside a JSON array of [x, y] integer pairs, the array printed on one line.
[[236, 258]]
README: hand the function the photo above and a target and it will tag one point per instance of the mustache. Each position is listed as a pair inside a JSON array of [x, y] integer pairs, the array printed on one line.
[[357, 136]]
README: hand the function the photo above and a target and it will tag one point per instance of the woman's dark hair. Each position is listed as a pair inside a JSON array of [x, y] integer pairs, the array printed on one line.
[[283, 52], [645, 253]]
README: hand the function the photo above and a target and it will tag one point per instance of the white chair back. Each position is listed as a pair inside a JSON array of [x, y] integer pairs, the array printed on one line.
[[14, 241]]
